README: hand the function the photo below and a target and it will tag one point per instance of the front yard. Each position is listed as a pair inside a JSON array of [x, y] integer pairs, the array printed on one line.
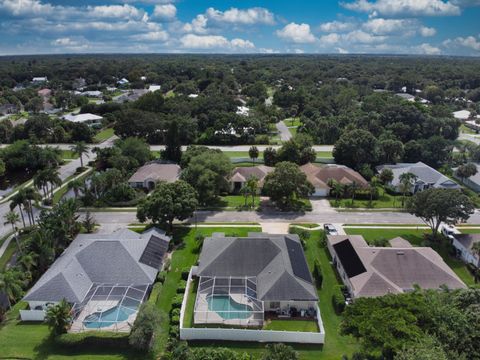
[[385, 200]]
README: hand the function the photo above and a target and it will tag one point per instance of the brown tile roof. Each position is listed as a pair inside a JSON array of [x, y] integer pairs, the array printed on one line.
[[397, 269], [319, 176], [156, 172], [241, 174]]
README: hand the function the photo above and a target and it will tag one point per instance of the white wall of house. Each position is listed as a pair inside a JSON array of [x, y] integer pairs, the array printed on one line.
[[320, 192], [32, 315]]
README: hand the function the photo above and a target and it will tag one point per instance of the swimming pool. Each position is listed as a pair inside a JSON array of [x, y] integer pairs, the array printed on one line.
[[109, 317], [228, 308]]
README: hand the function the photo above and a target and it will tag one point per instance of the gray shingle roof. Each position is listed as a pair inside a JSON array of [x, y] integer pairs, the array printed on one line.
[[155, 171], [263, 256], [96, 258]]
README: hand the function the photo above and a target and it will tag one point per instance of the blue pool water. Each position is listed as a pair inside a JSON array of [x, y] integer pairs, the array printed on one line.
[[228, 308], [109, 317]]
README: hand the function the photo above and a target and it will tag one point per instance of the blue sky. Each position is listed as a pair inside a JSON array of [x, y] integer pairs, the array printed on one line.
[[430, 27]]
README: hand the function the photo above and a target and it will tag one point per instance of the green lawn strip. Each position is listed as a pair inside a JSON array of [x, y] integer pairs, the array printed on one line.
[[291, 325], [30, 340], [324, 154], [385, 200], [386, 225], [185, 256], [103, 135], [7, 255], [3, 239], [293, 130], [170, 93], [232, 202], [415, 237], [467, 130], [306, 225], [58, 195], [240, 154], [292, 122], [19, 187], [69, 154], [468, 231]]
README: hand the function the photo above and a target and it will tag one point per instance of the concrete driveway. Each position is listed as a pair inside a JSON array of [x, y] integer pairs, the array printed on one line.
[[321, 206]]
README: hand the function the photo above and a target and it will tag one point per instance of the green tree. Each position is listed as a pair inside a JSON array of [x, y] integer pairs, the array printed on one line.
[[59, 317], [298, 150], [279, 352], [386, 176], [173, 146], [80, 148], [89, 222], [2, 167], [12, 219], [18, 201], [435, 206], [75, 185], [406, 182], [425, 348], [147, 322], [465, 171], [252, 186], [169, 201], [11, 283], [286, 185], [270, 157], [253, 153], [355, 148]]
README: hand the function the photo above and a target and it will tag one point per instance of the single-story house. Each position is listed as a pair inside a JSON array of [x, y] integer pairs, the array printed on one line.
[[464, 245], [153, 88], [105, 277], [427, 177], [123, 81], [461, 114], [369, 271], [87, 118], [132, 95], [6, 109], [39, 79], [243, 279], [240, 175], [319, 177], [92, 93], [473, 182], [44, 93], [152, 172]]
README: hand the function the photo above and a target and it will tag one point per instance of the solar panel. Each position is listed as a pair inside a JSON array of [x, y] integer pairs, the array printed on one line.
[[297, 259], [154, 252], [349, 259]]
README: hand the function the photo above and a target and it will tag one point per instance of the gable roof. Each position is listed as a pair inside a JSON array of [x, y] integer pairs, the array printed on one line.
[[319, 176], [264, 256], [156, 171], [97, 258], [242, 174], [392, 270], [424, 173]]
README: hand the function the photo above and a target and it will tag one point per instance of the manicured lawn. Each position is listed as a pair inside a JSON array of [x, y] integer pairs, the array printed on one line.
[[69, 154], [170, 93], [233, 202], [324, 154], [104, 135], [32, 341], [415, 237], [468, 231], [293, 122], [291, 325], [293, 130], [241, 154], [385, 200]]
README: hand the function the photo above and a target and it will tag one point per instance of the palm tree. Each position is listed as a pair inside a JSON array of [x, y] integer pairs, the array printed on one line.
[[353, 190], [18, 201], [27, 261], [12, 282], [75, 185], [374, 183], [53, 178], [40, 181], [59, 317], [31, 195], [406, 181], [12, 218], [252, 186], [245, 192], [80, 148]]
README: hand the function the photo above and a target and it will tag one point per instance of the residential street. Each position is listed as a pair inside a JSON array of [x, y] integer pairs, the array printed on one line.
[[285, 133]]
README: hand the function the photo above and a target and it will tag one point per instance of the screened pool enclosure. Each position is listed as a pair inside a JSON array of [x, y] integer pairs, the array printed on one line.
[[111, 307], [228, 300]]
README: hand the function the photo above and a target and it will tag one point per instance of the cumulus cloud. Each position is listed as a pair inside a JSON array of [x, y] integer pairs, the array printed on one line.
[[164, 12], [336, 26], [330, 39], [296, 33], [71, 44], [404, 7], [468, 42], [427, 31], [255, 15], [198, 25], [192, 41], [161, 36], [428, 49], [381, 26]]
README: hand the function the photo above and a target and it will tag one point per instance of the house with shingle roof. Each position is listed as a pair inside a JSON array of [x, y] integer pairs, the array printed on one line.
[[124, 258], [319, 177], [153, 172], [241, 174], [427, 177], [369, 271]]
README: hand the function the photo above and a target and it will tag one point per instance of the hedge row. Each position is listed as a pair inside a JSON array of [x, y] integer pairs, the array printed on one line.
[[98, 338]]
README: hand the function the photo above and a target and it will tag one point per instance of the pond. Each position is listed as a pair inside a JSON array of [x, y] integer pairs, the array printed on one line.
[[11, 179]]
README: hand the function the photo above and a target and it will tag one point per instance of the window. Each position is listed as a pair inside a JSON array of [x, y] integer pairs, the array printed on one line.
[[274, 304]]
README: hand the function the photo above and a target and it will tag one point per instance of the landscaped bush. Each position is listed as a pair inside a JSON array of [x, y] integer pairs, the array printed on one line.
[[161, 277], [317, 274], [175, 312], [303, 234], [185, 272], [156, 289], [177, 301], [381, 242], [103, 339], [338, 300], [166, 264], [182, 285], [175, 320], [174, 331]]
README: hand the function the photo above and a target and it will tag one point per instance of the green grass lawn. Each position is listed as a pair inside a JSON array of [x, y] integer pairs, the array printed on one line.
[[103, 135], [233, 201], [170, 93], [293, 130], [69, 154], [291, 325], [385, 200], [467, 130], [33, 341], [241, 154], [415, 237], [292, 122], [468, 231], [324, 154]]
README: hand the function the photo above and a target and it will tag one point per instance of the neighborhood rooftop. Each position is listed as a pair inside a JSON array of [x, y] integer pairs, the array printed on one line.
[[156, 171]]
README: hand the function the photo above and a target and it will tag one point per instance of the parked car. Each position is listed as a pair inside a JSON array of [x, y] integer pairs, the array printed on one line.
[[449, 231], [330, 229]]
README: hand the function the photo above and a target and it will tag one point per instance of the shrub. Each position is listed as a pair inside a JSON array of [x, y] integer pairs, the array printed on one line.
[[303, 234], [161, 277], [148, 319], [166, 264], [175, 320], [382, 242], [114, 340], [175, 312], [174, 331], [317, 274], [177, 301], [182, 285], [156, 289], [338, 300], [185, 272]]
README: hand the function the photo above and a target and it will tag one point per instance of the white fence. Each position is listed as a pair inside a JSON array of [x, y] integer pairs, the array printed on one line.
[[32, 315], [246, 334]]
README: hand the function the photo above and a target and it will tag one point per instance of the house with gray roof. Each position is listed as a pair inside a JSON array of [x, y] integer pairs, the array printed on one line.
[[101, 274], [243, 279], [241, 174], [464, 244], [369, 271], [426, 177], [153, 172]]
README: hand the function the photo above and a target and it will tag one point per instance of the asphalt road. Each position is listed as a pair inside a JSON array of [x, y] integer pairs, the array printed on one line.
[[285, 133]]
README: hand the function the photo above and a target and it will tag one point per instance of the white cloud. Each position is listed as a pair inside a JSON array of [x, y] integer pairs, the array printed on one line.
[[115, 11], [192, 41], [469, 42], [329, 39], [164, 12], [360, 36], [336, 26], [198, 25], [297, 33], [255, 15], [161, 36], [26, 7], [381, 26], [427, 31], [428, 49], [341, 50], [404, 7], [71, 44]]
